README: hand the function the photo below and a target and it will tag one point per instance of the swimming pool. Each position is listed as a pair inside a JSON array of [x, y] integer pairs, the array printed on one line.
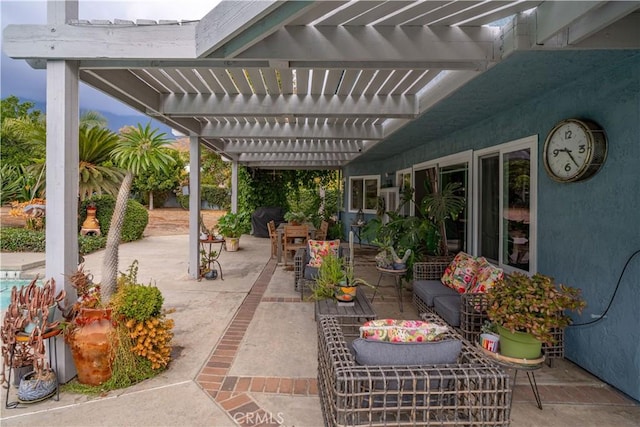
[[5, 289]]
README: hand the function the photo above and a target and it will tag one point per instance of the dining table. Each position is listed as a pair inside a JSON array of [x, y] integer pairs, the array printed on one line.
[[280, 231]]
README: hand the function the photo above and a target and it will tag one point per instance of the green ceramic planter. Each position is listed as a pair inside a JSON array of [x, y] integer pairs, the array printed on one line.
[[519, 345]]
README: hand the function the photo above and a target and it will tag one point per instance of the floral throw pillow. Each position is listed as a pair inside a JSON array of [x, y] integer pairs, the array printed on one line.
[[460, 273], [318, 249], [486, 277], [392, 330]]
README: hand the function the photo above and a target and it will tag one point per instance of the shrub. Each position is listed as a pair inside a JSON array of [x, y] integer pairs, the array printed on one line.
[[21, 240], [88, 244], [216, 196], [135, 220]]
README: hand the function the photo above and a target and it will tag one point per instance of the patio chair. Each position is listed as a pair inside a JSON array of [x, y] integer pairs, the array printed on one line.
[[321, 233], [273, 236], [295, 237]]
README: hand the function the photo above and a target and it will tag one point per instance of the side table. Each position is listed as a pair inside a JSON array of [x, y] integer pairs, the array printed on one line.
[[527, 365], [209, 256], [397, 275], [350, 316]]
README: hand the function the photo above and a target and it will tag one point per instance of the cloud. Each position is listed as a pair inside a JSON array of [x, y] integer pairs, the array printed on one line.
[[19, 79]]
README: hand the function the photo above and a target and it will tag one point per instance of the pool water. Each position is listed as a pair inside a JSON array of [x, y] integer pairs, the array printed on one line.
[[5, 290]]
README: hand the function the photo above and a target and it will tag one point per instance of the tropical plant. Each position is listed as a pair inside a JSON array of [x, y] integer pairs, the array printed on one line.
[[533, 305], [441, 205], [139, 149], [234, 225]]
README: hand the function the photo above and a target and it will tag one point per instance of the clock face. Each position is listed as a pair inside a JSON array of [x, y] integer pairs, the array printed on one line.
[[568, 150]]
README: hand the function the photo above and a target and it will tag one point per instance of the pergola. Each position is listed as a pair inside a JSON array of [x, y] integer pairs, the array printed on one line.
[[286, 84]]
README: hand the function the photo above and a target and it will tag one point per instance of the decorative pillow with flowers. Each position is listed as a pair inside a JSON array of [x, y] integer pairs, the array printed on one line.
[[318, 249], [486, 277], [460, 273], [393, 330]]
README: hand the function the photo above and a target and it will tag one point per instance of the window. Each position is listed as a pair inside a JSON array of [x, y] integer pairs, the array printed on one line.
[[436, 175], [403, 180], [363, 193], [505, 215]]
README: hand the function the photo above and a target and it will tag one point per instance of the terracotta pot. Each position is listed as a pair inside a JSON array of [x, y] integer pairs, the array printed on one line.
[[93, 343]]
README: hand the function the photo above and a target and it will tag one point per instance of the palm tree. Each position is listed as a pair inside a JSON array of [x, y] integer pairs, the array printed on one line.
[[95, 145], [139, 149]]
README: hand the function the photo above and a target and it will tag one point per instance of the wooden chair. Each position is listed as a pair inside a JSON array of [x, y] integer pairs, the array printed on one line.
[[273, 235], [321, 234], [295, 237]]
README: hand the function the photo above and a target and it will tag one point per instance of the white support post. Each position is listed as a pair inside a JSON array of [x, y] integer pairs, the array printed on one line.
[[62, 174], [234, 186], [194, 207]]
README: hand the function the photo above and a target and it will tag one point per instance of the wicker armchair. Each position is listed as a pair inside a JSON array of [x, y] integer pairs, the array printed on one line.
[[473, 391]]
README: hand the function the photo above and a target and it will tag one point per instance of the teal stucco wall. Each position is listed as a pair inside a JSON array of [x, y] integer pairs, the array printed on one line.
[[587, 231]]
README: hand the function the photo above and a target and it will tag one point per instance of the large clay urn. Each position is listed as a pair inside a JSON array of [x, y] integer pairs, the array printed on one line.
[[93, 341]]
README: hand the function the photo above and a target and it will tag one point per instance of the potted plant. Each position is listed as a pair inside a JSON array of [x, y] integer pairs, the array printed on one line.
[[232, 226], [527, 310], [30, 305], [335, 280], [296, 217]]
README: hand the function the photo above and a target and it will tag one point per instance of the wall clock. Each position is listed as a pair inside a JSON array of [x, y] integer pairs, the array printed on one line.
[[574, 150]]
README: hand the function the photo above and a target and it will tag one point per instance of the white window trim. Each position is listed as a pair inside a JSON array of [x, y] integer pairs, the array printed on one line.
[[530, 142], [364, 178]]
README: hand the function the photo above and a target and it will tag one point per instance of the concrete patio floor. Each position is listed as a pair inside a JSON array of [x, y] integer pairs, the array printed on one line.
[[245, 353]]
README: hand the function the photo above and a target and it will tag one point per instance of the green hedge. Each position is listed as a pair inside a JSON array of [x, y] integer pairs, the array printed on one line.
[[23, 240], [135, 220], [216, 196]]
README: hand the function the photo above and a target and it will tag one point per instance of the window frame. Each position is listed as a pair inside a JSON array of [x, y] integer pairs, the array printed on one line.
[[364, 178], [531, 143]]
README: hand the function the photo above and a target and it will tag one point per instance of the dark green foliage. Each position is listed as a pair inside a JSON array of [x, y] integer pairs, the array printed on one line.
[[88, 244], [19, 147], [135, 220], [161, 182], [216, 196], [21, 240], [139, 302]]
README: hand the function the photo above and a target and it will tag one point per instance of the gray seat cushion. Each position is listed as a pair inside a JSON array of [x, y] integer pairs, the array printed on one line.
[[448, 307], [384, 353], [428, 289]]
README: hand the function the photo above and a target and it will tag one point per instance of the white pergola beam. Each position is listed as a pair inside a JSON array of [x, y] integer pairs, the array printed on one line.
[[399, 106], [82, 41], [378, 44], [554, 16], [287, 147], [599, 19], [227, 20], [298, 157], [291, 131]]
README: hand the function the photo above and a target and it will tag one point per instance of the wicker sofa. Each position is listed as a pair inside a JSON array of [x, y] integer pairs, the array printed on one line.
[[471, 392], [434, 297]]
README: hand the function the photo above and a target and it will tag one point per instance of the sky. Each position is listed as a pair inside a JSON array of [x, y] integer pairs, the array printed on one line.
[[19, 79]]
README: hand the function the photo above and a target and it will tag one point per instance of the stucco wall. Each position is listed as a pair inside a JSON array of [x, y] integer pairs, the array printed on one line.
[[587, 230]]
